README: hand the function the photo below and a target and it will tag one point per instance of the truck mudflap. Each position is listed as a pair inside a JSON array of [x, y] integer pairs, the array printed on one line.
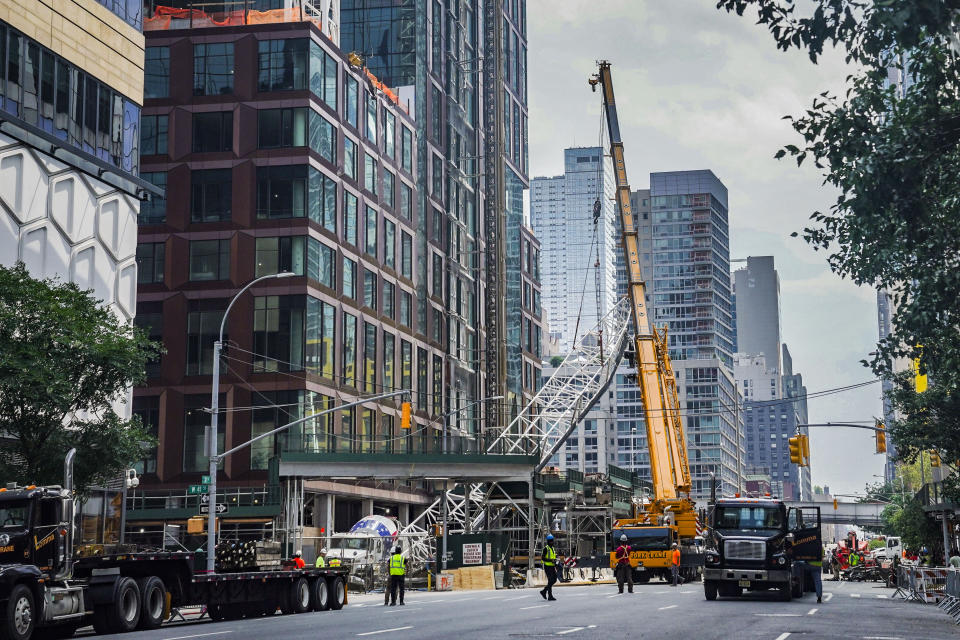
[[751, 575]]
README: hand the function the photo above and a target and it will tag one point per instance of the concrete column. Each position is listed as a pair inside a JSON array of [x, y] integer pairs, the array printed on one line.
[[403, 513], [367, 507], [323, 512]]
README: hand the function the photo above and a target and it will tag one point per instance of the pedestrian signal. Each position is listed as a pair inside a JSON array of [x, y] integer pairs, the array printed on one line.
[[934, 458], [796, 455], [881, 438], [405, 415]]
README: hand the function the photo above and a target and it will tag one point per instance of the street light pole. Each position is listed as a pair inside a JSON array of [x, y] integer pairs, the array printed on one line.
[[214, 424]]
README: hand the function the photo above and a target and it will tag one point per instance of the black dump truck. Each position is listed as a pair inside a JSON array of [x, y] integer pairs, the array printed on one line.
[[758, 544], [47, 590]]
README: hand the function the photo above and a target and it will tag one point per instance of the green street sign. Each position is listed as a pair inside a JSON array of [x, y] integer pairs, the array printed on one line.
[[205, 479], [196, 489]]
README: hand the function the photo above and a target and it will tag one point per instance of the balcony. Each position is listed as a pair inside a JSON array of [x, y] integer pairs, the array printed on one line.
[[179, 504]]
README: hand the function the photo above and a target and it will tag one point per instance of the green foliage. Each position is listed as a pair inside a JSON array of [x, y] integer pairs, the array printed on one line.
[[893, 154], [875, 543], [917, 529], [63, 359], [556, 361]]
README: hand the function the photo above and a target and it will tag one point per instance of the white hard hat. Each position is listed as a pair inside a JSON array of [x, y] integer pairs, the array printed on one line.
[[623, 537], [324, 550], [298, 552]]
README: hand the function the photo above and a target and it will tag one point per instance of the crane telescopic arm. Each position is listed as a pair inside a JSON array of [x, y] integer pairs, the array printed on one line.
[[669, 465]]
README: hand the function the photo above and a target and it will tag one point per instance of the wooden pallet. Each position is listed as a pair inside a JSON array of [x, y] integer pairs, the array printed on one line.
[[474, 578]]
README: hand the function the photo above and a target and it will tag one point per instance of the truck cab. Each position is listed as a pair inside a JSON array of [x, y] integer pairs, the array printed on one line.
[[34, 532], [756, 544]]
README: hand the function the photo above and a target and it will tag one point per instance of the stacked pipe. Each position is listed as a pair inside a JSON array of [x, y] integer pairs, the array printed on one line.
[[248, 555]]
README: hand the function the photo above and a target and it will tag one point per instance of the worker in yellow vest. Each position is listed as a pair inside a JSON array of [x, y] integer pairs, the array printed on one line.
[[321, 559], [549, 559], [398, 569], [334, 563]]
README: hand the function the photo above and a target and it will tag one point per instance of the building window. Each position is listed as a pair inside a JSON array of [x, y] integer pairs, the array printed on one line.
[[371, 231], [371, 117], [422, 376], [436, 109], [323, 75], [349, 218], [370, 173], [278, 333], [437, 385], [150, 262], [154, 211], [389, 244], [153, 135], [406, 149], [389, 345], [438, 275], [406, 365], [213, 69], [389, 187], [148, 410], [437, 325], [406, 200], [281, 191], [349, 349], [349, 278], [388, 294], [369, 357], [323, 190], [212, 131], [328, 322], [406, 255], [320, 263], [406, 309], [349, 158], [195, 423], [436, 184], [203, 329], [156, 72], [370, 289], [211, 195], [282, 128], [209, 260], [352, 91], [389, 133], [283, 65], [323, 137], [276, 255]]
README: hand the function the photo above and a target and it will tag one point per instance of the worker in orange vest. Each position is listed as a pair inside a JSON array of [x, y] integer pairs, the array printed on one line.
[[675, 564], [298, 560]]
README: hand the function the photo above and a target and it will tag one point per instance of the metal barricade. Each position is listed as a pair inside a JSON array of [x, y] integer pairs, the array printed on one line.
[[951, 601], [922, 584]]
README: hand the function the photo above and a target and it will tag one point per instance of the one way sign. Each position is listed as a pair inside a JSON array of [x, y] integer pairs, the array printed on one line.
[[221, 509]]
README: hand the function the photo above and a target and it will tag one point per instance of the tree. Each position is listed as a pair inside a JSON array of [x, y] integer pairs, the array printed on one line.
[[893, 154], [916, 528], [64, 358]]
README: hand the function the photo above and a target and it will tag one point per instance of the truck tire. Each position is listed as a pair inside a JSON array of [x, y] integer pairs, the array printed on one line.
[[641, 577], [786, 591], [153, 602], [338, 593], [122, 614], [320, 594], [797, 587], [709, 589], [20, 615], [215, 611], [300, 599]]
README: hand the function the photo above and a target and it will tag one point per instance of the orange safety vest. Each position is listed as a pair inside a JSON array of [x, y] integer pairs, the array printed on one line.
[[299, 563], [623, 554], [676, 557]]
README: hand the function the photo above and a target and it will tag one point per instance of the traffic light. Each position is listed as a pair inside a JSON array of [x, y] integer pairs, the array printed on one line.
[[881, 438], [796, 450], [834, 504], [805, 450], [934, 458], [919, 380], [405, 415]]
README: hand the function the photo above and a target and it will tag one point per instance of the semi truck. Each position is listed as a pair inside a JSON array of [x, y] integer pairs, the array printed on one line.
[[758, 544], [50, 589]]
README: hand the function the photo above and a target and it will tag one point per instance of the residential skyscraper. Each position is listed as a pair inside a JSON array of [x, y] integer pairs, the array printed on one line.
[[757, 287]]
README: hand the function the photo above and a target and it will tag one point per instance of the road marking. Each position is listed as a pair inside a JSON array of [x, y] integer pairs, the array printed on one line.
[[812, 611], [404, 610], [778, 615], [827, 597], [882, 638], [881, 596], [669, 607], [854, 595], [615, 595], [199, 635], [373, 633], [536, 606], [560, 633], [783, 636]]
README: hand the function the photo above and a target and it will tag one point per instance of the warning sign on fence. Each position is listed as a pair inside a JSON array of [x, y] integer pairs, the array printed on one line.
[[473, 553]]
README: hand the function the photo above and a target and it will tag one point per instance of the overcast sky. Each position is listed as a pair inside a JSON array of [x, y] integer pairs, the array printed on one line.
[[700, 89]]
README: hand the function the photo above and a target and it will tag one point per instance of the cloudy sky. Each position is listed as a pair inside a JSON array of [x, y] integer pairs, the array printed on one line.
[[700, 89]]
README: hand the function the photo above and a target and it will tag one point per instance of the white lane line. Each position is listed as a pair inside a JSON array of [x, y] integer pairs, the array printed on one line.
[[812, 611], [520, 597], [827, 597], [560, 633], [672, 606], [854, 595], [783, 636], [778, 615], [536, 606], [373, 633], [615, 595], [199, 635], [882, 638], [404, 610], [881, 596]]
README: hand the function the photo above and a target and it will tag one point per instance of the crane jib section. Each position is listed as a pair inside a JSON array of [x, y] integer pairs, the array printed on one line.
[[669, 465]]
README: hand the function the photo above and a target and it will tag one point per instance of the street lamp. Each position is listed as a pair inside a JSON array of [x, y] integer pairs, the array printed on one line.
[[214, 415]]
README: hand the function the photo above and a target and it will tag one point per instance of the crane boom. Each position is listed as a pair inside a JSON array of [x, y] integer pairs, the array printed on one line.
[[669, 465]]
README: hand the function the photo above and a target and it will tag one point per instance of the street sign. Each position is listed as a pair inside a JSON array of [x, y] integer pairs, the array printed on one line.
[[204, 479], [221, 509], [204, 498], [197, 489]]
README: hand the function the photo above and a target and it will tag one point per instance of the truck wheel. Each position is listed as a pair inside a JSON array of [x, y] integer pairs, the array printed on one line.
[[786, 591], [19, 616], [153, 602], [709, 589], [215, 611], [321, 594], [122, 614], [641, 577], [300, 595], [338, 589]]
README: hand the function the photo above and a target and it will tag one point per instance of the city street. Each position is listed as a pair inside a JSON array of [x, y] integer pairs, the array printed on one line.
[[850, 610]]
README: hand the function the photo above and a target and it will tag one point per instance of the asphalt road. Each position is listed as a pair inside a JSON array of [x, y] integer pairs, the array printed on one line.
[[857, 611]]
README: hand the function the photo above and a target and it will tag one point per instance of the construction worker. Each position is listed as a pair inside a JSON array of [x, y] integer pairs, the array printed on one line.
[[322, 559], [398, 569], [298, 560], [549, 559], [334, 563], [675, 564], [853, 559], [814, 568], [624, 571]]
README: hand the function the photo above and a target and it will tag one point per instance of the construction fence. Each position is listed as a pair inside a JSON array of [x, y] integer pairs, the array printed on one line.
[[951, 602], [927, 584]]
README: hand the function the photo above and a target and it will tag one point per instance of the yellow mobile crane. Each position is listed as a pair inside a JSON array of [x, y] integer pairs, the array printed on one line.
[[670, 516]]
